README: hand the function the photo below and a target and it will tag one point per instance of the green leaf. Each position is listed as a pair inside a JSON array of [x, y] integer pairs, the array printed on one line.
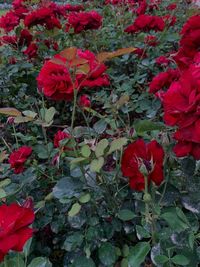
[[180, 260], [49, 114], [138, 254], [96, 164], [2, 193], [29, 113], [76, 207], [73, 241], [142, 126], [40, 262], [161, 259], [85, 151], [126, 215], [76, 161], [100, 148], [174, 221], [67, 188], [100, 126], [117, 144], [85, 198], [5, 182], [26, 249], [107, 254], [83, 262], [124, 263], [142, 232]]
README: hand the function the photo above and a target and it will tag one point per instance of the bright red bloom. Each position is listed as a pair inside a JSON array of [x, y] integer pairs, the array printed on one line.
[[140, 52], [15, 231], [83, 21], [43, 16], [151, 40], [19, 157], [74, 8], [138, 154], [60, 135], [31, 51], [9, 21], [84, 101], [55, 82], [146, 23], [9, 39], [163, 80], [96, 76], [181, 108]]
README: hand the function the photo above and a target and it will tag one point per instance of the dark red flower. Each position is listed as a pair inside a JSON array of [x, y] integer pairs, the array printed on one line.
[[31, 51], [59, 136], [181, 108], [83, 21], [55, 82], [43, 16], [18, 158], [140, 154], [74, 8], [25, 38], [163, 80], [162, 60], [9, 39], [15, 231], [9, 21], [146, 23], [84, 101]]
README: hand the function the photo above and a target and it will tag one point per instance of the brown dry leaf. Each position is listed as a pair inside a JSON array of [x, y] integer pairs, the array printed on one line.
[[58, 61], [3, 156], [78, 61], [108, 55], [10, 112], [69, 53], [83, 69]]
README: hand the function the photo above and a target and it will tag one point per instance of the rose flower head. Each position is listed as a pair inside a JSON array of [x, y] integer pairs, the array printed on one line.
[[139, 158]]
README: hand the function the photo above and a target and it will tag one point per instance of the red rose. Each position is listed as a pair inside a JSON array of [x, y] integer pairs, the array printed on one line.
[[96, 76], [84, 101], [146, 23], [138, 154], [9, 21], [162, 60], [163, 80], [25, 38], [9, 39], [75, 8], [60, 135], [181, 108], [84, 21], [31, 51], [19, 157], [43, 16], [15, 231], [55, 82]]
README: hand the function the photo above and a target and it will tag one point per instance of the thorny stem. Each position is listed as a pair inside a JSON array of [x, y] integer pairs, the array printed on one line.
[[74, 109]]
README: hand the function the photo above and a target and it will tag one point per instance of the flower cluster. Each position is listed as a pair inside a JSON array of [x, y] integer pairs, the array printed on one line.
[[181, 99], [14, 225], [83, 21], [140, 157], [146, 23]]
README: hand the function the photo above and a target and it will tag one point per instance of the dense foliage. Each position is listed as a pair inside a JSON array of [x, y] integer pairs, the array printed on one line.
[[100, 134]]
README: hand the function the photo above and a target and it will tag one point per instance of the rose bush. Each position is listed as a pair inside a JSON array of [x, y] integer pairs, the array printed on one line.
[[99, 126]]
